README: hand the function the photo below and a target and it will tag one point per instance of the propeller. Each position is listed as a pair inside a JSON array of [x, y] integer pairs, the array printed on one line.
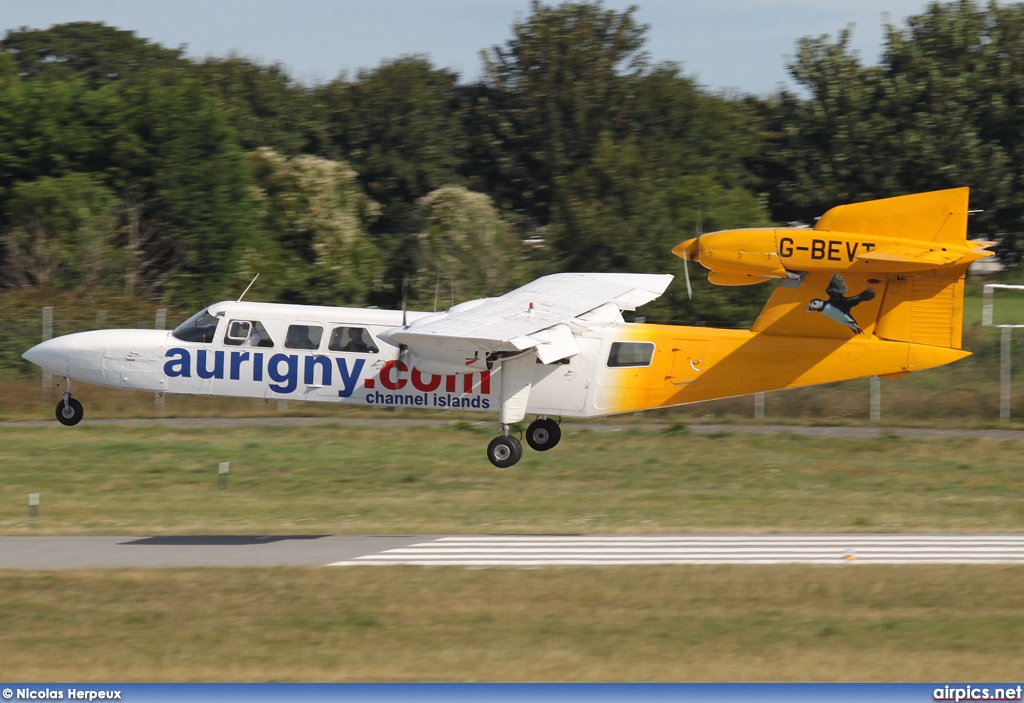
[[686, 265], [405, 297]]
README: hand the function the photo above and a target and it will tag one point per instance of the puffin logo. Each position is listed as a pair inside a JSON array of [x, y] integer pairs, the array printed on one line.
[[838, 307]]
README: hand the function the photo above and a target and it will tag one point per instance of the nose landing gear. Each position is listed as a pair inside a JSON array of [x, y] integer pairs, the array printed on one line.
[[69, 411]]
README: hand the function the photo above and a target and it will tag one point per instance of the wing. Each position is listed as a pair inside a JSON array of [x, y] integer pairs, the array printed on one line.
[[536, 315], [836, 286]]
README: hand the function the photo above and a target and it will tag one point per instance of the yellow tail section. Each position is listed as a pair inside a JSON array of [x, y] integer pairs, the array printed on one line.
[[922, 304]]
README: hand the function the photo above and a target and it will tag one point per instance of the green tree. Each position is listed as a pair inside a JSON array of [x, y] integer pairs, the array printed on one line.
[[161, 144], [551, 92], [398, 126], [61, 233], [265, 105], [97, 53], [172, 156]]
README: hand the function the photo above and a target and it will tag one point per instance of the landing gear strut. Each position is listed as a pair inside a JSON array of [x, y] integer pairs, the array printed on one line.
[[543, 433], [69, 411]]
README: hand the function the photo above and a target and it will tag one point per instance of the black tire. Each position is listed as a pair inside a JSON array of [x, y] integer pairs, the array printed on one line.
[[71, 414], [543, 433], [504, 452]]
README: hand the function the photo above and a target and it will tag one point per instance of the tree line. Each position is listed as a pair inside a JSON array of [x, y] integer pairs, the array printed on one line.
[[125, 164]]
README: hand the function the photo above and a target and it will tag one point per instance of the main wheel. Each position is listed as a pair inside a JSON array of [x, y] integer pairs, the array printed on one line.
[[504, 451], [69, 414], [543, 433]]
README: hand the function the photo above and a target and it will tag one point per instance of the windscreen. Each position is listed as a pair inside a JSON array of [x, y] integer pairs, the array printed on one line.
[[201, 327]]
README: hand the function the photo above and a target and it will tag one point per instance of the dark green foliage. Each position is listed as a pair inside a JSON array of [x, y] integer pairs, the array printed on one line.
[[398, 127], [264, 105], [553, 91], [90, 50]]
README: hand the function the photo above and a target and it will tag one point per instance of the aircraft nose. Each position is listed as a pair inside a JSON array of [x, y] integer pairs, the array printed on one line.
[[51, 355]]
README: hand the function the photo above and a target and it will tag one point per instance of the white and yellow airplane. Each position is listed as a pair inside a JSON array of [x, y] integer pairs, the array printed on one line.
[[558, 347]]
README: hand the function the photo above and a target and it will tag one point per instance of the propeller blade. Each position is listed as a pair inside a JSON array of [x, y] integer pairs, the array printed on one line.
[[686, 273], [405, 286], [696, 245]]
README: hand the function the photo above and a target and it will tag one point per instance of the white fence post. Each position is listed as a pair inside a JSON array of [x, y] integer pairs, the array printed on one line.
[[1005, 339], [759, 406]]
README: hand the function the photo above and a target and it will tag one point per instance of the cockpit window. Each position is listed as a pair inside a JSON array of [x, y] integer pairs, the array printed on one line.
[[247, 333], [352, 339], [201, 327], [630, 354], [303, 337]]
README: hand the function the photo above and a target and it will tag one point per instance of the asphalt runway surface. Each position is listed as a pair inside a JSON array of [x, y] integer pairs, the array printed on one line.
[[503, 550]]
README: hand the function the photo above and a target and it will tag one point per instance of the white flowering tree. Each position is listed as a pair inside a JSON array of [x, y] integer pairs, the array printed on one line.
[[464, 246], [314, 247]]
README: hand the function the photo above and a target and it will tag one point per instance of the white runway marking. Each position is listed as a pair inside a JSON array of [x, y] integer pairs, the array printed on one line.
[[586, 550]]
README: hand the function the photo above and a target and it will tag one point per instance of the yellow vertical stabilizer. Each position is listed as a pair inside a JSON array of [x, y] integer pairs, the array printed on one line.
[[938, 216]]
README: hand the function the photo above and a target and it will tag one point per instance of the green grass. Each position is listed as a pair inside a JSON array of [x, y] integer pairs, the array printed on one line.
[[711, 623], [345, 479]]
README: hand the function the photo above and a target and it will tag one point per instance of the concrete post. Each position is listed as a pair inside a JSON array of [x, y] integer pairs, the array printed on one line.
[[1004, 374], [876, 399]]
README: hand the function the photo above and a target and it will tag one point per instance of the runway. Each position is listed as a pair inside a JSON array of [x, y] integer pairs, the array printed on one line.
[[523, 551]]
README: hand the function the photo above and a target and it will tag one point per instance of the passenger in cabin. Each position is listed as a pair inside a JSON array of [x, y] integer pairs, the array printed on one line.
[[351, 339], [355, 342], [302, 337]]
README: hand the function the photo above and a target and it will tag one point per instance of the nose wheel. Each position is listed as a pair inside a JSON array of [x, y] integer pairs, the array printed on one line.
[[69, 411]]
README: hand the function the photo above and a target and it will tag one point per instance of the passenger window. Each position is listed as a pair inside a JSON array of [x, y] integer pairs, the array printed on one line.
[[201, 327], [352, 339], [247, 333], [630, 354], [303, 337]]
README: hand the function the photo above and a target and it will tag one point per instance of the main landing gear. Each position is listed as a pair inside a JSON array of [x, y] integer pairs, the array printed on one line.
[[505, 450], [69, 411]]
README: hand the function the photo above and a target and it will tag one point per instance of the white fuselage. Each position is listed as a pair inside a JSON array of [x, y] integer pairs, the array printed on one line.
[[298, 352]]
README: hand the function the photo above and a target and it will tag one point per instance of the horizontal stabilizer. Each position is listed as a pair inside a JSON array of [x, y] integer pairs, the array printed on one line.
[[913, 258]]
